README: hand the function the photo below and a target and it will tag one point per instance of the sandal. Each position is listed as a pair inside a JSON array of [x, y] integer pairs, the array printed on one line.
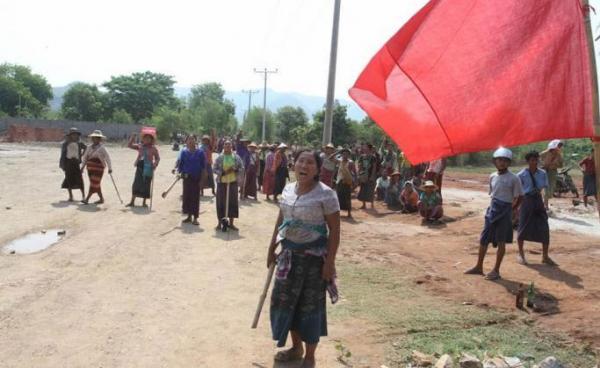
[[493, 276], [522, 261], [195, 222], [548, 261], [474, 271], [187, 220], [289, 355]]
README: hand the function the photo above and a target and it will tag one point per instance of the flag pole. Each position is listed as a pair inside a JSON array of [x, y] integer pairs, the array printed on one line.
[[594, 77]]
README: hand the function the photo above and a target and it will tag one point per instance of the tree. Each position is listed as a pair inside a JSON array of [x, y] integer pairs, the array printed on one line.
[[216, 112], [23, 93], [121, 116], [343, 132], [140, 94], [252, 127], [82, 102], [368, 131], [290, 118]]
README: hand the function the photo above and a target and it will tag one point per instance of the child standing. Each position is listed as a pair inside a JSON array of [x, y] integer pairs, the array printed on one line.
[[382, 184], [506, 192]]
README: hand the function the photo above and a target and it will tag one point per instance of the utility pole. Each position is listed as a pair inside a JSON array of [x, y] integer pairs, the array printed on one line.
[[328, 124], [250, 92], [266, 72]]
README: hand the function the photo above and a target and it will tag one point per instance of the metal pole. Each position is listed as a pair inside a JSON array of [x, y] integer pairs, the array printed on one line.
[[264, 119], [594, 78], [250, 93], [328, 124]]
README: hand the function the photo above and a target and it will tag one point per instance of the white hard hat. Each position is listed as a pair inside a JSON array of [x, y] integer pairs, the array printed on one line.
[[503, 153], [554, 144]]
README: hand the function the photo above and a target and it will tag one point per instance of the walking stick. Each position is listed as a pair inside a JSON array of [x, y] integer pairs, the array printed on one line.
[[225, 220], [151, 192], [263, 296], [164, 194], [116, 189]]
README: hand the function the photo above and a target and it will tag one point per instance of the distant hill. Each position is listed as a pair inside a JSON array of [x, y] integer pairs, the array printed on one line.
[[275, 100]]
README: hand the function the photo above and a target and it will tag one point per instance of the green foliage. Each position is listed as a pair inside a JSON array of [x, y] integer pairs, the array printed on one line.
[[252, 127], [343, 131], [23, 93], [290, 118], [83, 102], [139, 94], [121, 116], [168, 121], [214, 111], [368, 131]]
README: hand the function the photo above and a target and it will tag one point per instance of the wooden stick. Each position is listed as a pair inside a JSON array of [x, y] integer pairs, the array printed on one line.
[[594, 78], [151, 192], [164, 195], [116, 189], [263, 296]]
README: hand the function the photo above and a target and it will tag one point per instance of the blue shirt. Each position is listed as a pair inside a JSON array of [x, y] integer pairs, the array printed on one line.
[[243, 152], [192, 163], [541, 180]]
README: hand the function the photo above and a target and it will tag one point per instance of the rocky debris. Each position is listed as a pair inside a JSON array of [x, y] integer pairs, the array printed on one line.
[[422, 359], [444, 362], [495, 363], [550, 362], [513, 362], [469, 361]]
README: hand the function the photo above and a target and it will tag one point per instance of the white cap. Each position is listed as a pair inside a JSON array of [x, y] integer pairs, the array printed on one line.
[[554, 144], [282, 145], [503, 153]]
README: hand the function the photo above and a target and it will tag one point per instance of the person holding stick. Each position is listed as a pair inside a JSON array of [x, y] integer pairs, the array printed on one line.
[[96, 158], [308, 230], [191, 165], [228, 168], [146, 162]]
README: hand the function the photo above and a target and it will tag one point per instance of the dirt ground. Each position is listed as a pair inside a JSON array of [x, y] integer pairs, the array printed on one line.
[[134, 288]]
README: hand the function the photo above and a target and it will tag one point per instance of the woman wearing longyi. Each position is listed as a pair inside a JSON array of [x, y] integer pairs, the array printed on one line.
[[96, 158], [308, 230]]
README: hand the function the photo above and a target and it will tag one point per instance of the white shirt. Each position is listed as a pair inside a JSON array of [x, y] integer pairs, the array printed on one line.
[[310, 208], [505, 187]]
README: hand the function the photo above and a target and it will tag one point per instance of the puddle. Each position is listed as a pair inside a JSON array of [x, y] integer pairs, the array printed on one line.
[[34, 242]]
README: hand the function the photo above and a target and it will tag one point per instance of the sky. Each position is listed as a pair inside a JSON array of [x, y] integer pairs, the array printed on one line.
[[202, 40], [199, 41]]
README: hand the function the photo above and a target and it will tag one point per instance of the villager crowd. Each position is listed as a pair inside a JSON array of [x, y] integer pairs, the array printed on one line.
[[307, 229]]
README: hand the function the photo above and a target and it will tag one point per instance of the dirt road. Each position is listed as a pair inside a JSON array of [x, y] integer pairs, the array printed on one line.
[[128, 288], [133, 288]]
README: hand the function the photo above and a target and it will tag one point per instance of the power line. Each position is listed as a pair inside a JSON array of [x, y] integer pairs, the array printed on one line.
[[265, 72]]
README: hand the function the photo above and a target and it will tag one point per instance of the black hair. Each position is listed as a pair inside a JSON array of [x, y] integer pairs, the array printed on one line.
[[316, 156], [532, 154]]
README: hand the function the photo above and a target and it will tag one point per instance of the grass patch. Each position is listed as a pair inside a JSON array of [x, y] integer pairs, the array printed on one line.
[[414, 320]]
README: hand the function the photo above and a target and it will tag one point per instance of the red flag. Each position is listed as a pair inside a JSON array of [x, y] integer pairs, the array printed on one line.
[[467, 75]]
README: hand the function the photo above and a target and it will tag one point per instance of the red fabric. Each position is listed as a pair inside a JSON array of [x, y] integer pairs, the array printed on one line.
[[467, 75]]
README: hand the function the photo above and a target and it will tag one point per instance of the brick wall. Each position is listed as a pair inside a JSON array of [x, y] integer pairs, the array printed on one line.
[[46, 130]]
